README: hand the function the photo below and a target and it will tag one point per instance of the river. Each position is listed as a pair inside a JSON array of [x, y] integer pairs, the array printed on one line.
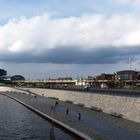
[[19, 123]]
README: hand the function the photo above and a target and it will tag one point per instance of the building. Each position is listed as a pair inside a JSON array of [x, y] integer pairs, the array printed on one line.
[[128, 79], [8, 79], [17, 78], [127, 75], [3, 72], [104, 76], [64, 78], [137, 75]]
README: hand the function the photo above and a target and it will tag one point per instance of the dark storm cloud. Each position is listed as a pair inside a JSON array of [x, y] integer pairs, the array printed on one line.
[[73, 55]]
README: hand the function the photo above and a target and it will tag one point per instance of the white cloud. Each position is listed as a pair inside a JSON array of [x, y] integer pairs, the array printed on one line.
[[16, 47], [133, 2], [86, 32], [132, 39]]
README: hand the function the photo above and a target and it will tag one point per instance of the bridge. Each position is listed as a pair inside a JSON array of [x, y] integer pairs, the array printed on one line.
[[61, 83]]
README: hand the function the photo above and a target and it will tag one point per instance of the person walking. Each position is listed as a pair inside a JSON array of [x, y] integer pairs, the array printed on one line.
[[56, 103], [79, 116], [67, 111]]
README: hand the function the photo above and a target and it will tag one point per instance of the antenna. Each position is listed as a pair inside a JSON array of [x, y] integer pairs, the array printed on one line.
[[130, 63]]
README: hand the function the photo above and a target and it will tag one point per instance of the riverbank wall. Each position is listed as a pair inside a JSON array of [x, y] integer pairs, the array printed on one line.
[[129, 107]]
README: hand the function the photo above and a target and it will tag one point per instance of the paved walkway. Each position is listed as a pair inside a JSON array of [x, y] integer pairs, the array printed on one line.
[[101, 126]]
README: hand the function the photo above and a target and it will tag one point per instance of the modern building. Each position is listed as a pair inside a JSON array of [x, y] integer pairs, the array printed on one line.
[[17, 77], [137, 75], [126, 75], [3, 72], [9, 79]]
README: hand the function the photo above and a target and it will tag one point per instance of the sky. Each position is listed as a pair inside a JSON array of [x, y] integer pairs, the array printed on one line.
[[40, 39]]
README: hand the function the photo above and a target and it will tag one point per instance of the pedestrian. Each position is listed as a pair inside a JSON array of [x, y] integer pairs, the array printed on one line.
[[56, 103], [35, 96], [67, 111], [79, 116]]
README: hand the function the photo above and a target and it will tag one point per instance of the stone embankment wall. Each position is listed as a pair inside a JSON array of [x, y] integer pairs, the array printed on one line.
[[129, 107]]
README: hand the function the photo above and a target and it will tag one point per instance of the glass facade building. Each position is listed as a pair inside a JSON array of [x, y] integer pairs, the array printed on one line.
[[3, 72], [126, 75]]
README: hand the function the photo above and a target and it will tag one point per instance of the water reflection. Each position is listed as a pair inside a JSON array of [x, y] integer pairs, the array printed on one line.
[[17, 122], [52, 135]]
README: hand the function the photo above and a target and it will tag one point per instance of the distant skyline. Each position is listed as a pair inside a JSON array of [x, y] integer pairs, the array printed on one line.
[[52, 38]]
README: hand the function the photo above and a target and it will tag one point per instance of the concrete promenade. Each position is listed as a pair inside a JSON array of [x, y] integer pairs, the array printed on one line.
[[128, 106], [99, 125]]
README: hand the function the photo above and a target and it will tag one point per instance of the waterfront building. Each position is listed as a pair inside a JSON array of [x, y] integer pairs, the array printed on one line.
[[9, 79], [3, 72], [126, 75], [17, 77]]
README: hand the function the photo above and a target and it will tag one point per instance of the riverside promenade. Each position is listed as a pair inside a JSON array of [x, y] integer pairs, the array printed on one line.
[[97, 125]]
